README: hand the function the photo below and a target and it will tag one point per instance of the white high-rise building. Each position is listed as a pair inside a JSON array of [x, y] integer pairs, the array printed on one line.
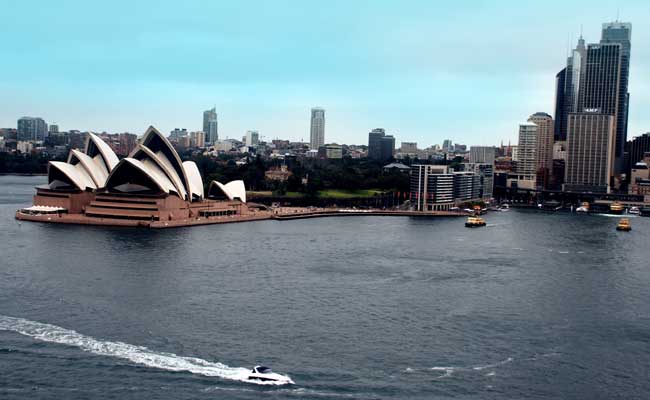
[[526, 168], [252, 138], [317, 130]]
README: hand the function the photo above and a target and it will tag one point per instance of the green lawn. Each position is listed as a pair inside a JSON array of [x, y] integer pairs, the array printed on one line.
[[348, 194], [292, 195], [330, 193]]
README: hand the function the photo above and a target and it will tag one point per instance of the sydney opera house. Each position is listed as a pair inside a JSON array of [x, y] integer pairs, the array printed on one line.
[[151, 187]]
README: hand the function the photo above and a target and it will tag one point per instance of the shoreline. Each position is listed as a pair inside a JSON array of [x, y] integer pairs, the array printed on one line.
[[81, 219]]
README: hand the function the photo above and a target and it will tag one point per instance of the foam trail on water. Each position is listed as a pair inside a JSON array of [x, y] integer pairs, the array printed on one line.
[[136, 354]]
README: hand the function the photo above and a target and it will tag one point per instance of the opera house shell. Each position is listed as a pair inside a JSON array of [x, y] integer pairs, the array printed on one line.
[[151, 187]]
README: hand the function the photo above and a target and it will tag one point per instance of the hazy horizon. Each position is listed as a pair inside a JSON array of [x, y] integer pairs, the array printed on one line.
[[424, 72]]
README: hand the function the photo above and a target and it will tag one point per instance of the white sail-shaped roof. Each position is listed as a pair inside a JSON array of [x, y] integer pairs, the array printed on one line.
[[148, 168], [95, 171], [97, 147], [142, 152], [194, 176], [76, 174], [159, 145], [232, 190]]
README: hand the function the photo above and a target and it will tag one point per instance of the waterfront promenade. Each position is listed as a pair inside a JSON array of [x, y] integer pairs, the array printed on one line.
[[280, 213]]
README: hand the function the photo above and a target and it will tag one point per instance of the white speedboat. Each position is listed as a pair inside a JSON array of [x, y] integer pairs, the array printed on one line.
[[264, 374], [634, 210]]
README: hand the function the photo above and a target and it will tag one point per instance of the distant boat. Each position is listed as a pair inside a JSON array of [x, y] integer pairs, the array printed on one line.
[[475, 222], [584, 208], [551, 205], [634, 210], [624, 225], [616, 208]]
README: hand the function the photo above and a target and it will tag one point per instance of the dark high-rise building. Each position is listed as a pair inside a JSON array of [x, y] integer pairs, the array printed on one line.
[[599, 93], [567, 88], [638, 146], [620, 33], [380, 146], [560, 100], [30, 128]]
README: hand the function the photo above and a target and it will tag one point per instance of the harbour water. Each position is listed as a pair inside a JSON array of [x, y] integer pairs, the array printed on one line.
[[535, 305]]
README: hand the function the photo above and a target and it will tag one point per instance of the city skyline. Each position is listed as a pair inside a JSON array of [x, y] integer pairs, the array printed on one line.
[[140, 74]]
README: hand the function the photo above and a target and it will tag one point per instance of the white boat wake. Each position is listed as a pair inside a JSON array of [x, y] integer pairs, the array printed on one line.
[[136, 354]]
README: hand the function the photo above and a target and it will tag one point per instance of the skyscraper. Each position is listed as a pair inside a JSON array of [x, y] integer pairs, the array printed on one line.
[[526, 167], [620, 33], [560, 105], [380, 145], [590, 152], [31, 129], [317, 128], [543, 148], [567, 90], [252, 138], [638, 146], [210, 126]]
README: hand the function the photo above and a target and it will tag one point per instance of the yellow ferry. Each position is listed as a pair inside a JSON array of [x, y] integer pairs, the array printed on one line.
[[474, 222], [616, 208], [624, 225]]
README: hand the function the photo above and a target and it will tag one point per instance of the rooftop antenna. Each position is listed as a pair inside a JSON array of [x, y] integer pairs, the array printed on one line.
[[580, 31], [618, 10]]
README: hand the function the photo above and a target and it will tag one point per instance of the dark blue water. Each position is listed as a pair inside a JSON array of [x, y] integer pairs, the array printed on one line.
[[536, 305]]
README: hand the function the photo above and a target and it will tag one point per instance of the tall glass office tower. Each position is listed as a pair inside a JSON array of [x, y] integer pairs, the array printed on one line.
[[620, 33]]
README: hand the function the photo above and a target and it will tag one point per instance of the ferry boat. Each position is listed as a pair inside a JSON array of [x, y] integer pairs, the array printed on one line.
[[551, 205], [474, 222], [624, 225], [616, 208]]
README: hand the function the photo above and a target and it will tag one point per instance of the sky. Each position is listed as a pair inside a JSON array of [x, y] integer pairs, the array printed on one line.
[[469, 71]]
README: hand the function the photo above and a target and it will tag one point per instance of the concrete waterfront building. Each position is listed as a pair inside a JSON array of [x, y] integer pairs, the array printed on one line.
[[317, 128], [252, 138], [590, 153], [211, 126], [437, 187], [482, 154], [380, 146], [526, 168], [32, 129], [485, 172], [467, 186], [432, 188], [543, 148]]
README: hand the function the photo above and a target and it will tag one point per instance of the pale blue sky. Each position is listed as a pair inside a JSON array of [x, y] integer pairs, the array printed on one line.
[[470, 71]]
